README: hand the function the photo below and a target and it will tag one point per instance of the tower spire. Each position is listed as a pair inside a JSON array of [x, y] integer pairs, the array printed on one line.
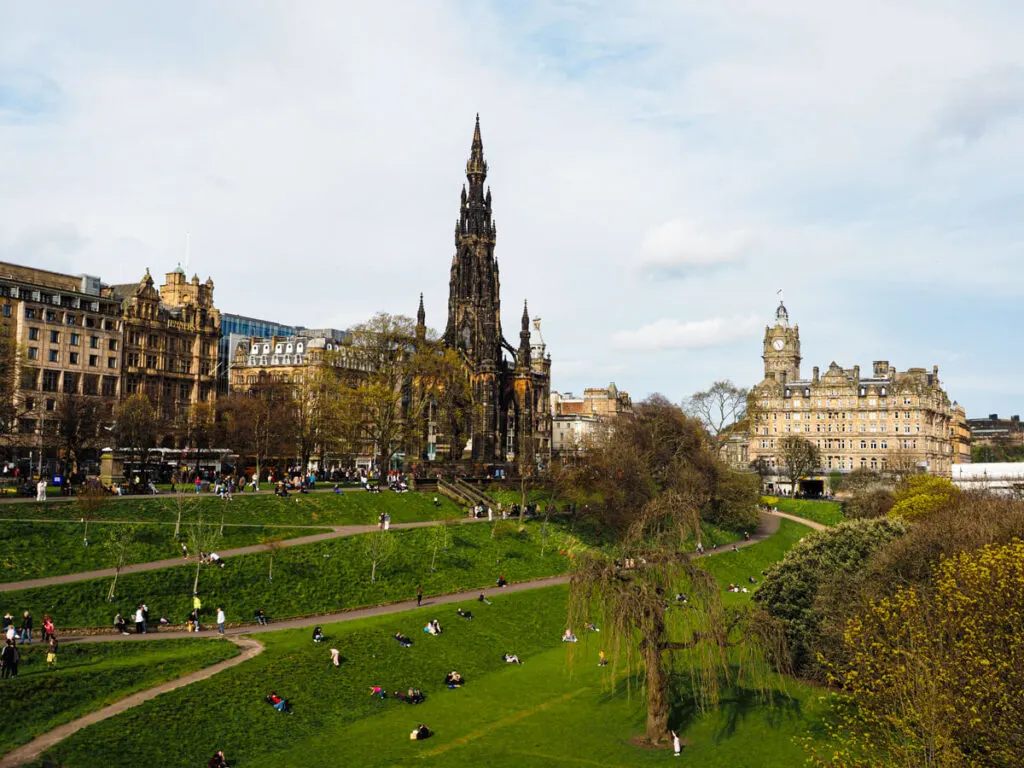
[[524, 338], [421, 321]]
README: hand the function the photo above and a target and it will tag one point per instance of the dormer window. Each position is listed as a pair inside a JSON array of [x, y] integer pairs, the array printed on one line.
[[882, 393], [290, 348], [298, 348], [255, 349], [266, 349], [863, 391], [278, 348]]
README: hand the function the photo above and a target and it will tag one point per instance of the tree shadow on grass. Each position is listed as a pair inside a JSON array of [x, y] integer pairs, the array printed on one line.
[[736, 704]]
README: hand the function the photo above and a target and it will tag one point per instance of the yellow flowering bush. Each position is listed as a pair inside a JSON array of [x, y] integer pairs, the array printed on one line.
[[935, 676]]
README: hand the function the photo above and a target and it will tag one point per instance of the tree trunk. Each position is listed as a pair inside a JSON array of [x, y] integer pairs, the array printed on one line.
[[113, 584], [195, 584], [177, 524], [85, 533], [222, 522], [657, 695], [433, 559], [271, 574], [373, 572], [522, 498]]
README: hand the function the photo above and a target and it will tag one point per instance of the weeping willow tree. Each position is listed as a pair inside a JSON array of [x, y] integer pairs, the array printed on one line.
[[646, 485]]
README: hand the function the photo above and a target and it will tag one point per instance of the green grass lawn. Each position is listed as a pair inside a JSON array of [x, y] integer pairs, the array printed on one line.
[[350, 508], [824, 512], [35, 550], [311, 578], [547, 711], [90, 676]]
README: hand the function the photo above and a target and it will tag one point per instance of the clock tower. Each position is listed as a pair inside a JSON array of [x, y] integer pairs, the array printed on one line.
[[781, 348]]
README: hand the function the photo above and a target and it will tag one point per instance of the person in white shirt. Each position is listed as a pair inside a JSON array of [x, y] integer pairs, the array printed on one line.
[[677, 747], [220, 620], [139, 620], [41, 490]]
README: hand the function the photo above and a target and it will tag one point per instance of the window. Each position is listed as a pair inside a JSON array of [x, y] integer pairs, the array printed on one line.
[[50, 381], [111, 362], [94, 342], [55, 337], [90, 322], [90, 384], [132, 359], [30, 403], [75, 338], [112, 345], [30, 313], [133, 338], [7, 310], [153, 341], [70, 383], [93, 359], [151, 361], [69, 319], [131, 386], [53, 358], [863, 444], [51, 404], [51, 316], [73, 358], [109, 325], [109, 386], [33, 353], [33, 334]]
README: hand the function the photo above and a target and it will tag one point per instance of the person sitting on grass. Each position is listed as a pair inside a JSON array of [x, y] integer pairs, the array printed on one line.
[[501, 580], [281, 705], [218, 760], [420, 732], [510, 658], [260, 617], [602, 660], [318, 635], [483, 599], [432, 628], [453, 680], [464, 614], [376, 690], [569, 637], [405, 641], [412, 696]]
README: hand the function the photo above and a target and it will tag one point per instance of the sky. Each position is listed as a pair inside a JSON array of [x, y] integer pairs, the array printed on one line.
[[660, 170]]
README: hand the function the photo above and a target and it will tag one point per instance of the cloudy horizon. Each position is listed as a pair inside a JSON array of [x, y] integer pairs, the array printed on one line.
[[659, 170]]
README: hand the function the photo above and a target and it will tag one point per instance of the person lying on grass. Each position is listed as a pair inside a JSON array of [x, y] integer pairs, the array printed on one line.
[[281, 705], [510, 658], [591, 627], [454, 680], [569, 637], [464, 614], [420, 732], [483, 599], [412, 696], [405, 641]]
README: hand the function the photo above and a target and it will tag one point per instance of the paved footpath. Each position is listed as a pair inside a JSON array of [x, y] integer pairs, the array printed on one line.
[[768, 525], [336, 532]]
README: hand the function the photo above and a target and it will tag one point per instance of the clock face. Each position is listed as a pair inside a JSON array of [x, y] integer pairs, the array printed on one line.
[[778, 344]]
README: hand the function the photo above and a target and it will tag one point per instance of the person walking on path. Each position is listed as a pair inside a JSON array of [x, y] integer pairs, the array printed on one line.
[[48, 629], [26, 629], [419, 595], [220, 620], [140, 623], [41, 490]]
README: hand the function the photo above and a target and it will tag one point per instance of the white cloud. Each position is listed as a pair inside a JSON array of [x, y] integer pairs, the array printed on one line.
[[679, 245], [669, 333]]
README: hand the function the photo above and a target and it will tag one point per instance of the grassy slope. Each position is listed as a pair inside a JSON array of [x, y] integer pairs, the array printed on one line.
[[824, 512], [90, 676], [537, 714], [355, 507], [35, 550], [312, 578]]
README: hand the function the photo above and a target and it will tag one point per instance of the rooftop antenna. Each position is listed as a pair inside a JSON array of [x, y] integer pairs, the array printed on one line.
[[779, 294]]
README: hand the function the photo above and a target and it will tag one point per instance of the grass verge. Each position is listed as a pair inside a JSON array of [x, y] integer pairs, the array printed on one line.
[[90, 676], [824, 512]]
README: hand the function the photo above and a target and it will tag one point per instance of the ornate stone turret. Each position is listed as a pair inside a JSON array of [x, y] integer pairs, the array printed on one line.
[[782, 348], [523, 355], [421, 321]]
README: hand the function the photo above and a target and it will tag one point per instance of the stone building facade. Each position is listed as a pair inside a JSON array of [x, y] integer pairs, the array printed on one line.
[[68, 337], [170, 342], [576, 420], [511, 384], [878, 420], [285, 359]]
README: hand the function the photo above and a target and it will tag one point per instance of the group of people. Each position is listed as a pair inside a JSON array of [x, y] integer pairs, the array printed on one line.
[[10, 656], [384, 521]]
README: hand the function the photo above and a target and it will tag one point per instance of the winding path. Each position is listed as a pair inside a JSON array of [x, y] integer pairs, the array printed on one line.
[[29, 752], [769, 524]]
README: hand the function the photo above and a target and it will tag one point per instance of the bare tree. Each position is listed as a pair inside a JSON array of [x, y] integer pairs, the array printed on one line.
[[89, 501], [440, 540], [182, 504], [274, 544], [202, 538], [799, 458], [722, 408], [378, 547], [120, 543], [136, 427], [77, 421]]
